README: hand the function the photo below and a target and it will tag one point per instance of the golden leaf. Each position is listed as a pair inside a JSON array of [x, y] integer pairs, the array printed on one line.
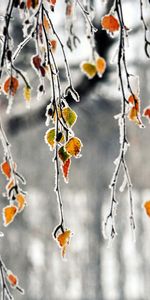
[[73, 146], [63, 240], [50, 138], [27, 93], [89, 69]]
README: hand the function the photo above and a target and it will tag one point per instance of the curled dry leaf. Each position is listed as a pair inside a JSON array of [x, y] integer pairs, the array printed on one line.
[[89, 69], [9, 213], [110, 23], [12, 279], [11, 85], [147, 207], [63, 240], [73, 146]]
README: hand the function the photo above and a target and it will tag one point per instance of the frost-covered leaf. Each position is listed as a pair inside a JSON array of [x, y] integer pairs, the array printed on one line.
[[100, 66], [27, 93], [63, 155], [6, 169], [9, 213], [69, 116], [110, 23], [20, 198], [11, 85], [134, 116], [63, 241], [12, 279], [73, 146], [65, 169], [50, 138], [89, 69]]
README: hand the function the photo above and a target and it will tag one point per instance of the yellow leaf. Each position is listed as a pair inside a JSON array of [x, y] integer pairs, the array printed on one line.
[[69, 116], [50, 138], [89, 69], [73, 146], [27, 93], [9, 213]]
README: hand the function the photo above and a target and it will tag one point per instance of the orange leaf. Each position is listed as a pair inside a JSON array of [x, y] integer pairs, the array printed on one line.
[[147, 207], [110, 23], [5, 168], [100, 65], [63, 240], [12, 279], [53, 44], [29, 4], [9, 213], [146, 112], [11, 85], [20, 198], [52, 2], [65, 169], [134, 101], [32, 3], [134, 116]]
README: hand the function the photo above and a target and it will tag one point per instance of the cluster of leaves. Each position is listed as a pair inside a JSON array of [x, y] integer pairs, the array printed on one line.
[[14, 193], [113, 23], [37, 26]]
